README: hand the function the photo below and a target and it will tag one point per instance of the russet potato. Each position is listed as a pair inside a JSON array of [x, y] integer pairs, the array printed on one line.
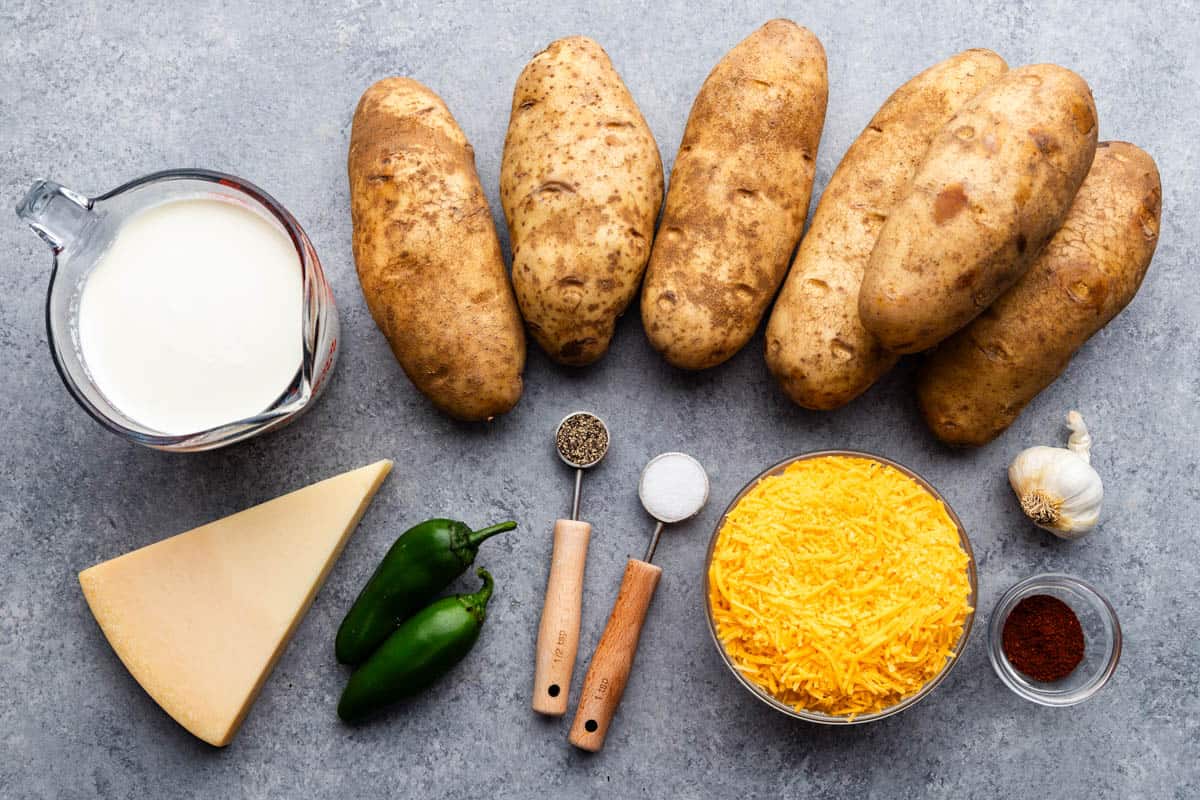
[[427, 253], [994, 186], [738, 196], [581, 183]]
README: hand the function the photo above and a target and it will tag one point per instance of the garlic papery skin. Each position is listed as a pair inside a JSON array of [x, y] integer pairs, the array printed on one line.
[[1057, 486]]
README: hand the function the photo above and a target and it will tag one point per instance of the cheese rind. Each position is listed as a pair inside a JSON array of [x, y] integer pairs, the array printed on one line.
[[200, 619]]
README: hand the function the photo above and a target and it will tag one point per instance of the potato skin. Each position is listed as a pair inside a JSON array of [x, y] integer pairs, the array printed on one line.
[[816, 346], [427, 254], [993, 188], [738, 196], [581, 183], [977, 382]]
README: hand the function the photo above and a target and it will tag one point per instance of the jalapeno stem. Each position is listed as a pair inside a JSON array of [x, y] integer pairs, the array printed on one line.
[[475, 537], [476, 604], [485, 592]]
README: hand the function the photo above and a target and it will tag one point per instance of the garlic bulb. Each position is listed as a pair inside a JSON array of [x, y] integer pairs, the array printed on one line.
[[1058, 488]]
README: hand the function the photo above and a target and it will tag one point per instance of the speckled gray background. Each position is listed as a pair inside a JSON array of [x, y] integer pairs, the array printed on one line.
[[94, 94]]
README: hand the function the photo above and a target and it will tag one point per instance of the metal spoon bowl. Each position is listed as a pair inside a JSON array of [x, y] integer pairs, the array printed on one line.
[[580, 467], [700, 477], [565, 458]]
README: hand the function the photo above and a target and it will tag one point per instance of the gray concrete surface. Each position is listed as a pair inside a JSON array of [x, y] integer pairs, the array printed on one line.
[[94, 94]]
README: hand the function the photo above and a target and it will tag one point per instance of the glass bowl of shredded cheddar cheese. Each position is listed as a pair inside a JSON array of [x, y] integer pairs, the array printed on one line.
[[840, 587]]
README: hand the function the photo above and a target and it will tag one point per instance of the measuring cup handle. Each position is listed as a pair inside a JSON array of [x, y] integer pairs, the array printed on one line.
[[613, 659], [558, 634], [55, 212]]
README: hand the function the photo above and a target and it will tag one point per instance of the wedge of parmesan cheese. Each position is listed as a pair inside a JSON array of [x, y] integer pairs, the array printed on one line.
[[200, 619]]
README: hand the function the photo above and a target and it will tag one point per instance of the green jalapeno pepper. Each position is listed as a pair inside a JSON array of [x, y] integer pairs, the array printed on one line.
[[422, 562], [419, 652]]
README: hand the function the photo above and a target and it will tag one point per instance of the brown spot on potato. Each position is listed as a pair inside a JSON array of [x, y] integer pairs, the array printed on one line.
[[666, 301], [571, 297], [576, 348], [1083, 285], [1022, 243], [1045, 142], [1023, 191], [1148, 214], [1083, 115], [965, 132], [554, 187], [994, 351], [840, 350], [1032, 79], [949, 203], [966, 279], [816, 287], [744, 293]]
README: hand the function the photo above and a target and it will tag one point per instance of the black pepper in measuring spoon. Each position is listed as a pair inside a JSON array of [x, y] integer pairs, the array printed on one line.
[[581, 439]]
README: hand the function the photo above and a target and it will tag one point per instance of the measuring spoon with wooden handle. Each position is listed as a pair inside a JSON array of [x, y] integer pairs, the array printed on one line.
[[581, 440], [673, 487]]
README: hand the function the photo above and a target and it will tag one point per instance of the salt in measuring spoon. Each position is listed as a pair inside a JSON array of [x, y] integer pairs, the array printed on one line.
[[673, 487], [582, 441]]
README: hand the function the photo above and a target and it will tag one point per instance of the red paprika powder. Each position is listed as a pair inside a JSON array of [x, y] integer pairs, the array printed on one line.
[[1043, 638]]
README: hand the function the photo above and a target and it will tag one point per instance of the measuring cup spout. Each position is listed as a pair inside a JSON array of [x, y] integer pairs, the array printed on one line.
[[58, 214]]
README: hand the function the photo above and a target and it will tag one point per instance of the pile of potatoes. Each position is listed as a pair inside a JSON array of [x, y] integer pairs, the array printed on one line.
[[976, 217]]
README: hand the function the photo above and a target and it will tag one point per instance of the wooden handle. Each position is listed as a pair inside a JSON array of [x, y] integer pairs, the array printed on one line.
[[613, 659], [558, 635]]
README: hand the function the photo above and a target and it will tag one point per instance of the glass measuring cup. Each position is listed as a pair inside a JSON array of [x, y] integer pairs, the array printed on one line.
[[80, 229]]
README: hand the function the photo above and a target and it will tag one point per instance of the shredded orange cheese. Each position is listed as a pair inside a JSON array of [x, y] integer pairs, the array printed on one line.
[[839, 586]]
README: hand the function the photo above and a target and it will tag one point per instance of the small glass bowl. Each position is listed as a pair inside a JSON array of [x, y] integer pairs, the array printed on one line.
[[1101, 635], [816, 716]]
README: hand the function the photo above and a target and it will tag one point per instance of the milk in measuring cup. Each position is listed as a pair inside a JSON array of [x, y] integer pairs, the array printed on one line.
[[193, 317]]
